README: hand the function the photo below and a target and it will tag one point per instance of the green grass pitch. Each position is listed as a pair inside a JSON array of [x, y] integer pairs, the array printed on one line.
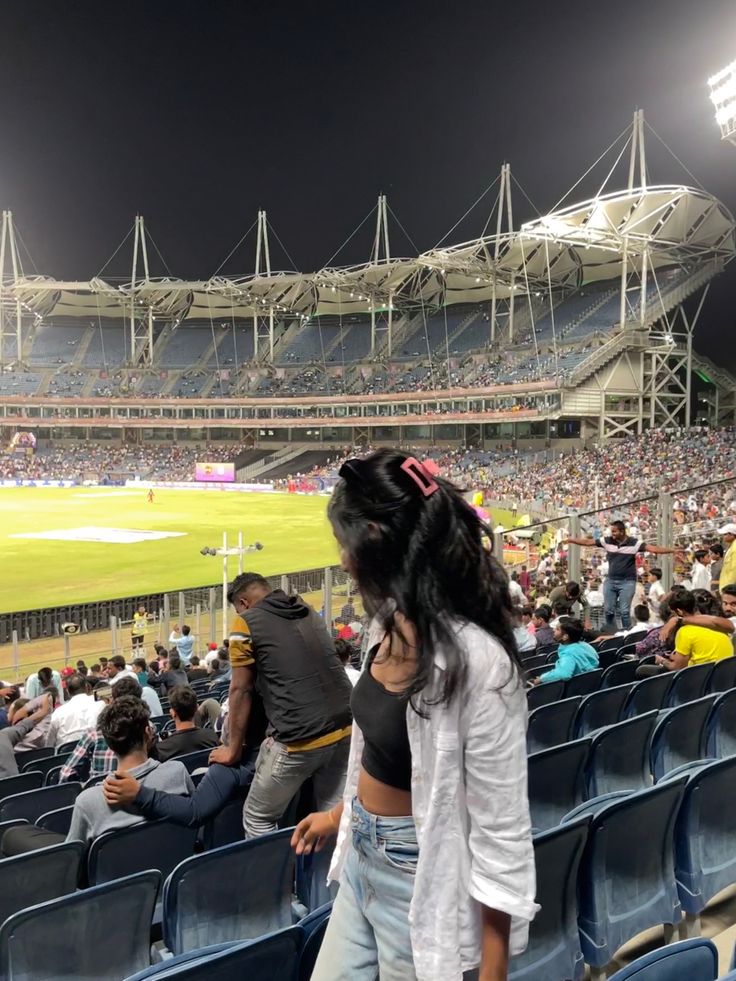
[[41, 573]]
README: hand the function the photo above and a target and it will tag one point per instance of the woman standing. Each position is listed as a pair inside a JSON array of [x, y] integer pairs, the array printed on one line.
[[434, 854]]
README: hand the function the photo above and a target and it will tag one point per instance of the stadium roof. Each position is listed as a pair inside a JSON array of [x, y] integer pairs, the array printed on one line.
[[666, 225]]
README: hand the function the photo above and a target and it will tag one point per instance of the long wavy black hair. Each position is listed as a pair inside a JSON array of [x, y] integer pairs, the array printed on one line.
[[426, 554]]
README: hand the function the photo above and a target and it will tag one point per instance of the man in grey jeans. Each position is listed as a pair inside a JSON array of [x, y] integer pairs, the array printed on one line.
[[280, 645]]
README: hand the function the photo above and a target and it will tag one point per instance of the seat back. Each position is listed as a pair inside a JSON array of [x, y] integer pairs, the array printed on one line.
[[620, 673], [601, 708], [313, 927], [47, 764], [627, 877], [723, 677], [26, 756], [201, 909], [33, 803], [19, 784], [159, 721], [67, 747], [619, 756], [705, 835], [544, 694], [193, 761], [225, 827], [583, 684], [533, 665], [649, 695], [721, 727], [689, 960], [312, 890], [270, 958], [73, 931], [679, 735], [58, 821], [38, 876], [554, 950], [552, 724], [607, 657], [158, 845], [689, 684], [556, 782]]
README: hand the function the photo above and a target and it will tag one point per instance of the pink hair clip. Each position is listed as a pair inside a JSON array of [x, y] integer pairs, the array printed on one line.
[[421, 476]]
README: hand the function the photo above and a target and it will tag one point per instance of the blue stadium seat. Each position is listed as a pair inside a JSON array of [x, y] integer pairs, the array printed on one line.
[[553, 952], [601, 708], [724, 675], [58, 821], [583, 684], [193, 761], [688, 960], [75, 934], [313, 927], [705, 838], [198, 911], [270, 958], [27, 756], [38, 876], [620, 673], [649, 694], [556, 782], [33, 803], [619, 756], [589, 808], [689, 684], [721, 728], [19, 784], [159, 845], [544, 694], [46, 765], [627, 880], [159, 721], [607, 658], [225, 827], [680, 735], [312, 891], [551, 724], [534, 664]]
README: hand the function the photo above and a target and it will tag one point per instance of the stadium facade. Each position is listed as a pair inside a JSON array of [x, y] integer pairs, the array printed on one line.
[[578, 324]]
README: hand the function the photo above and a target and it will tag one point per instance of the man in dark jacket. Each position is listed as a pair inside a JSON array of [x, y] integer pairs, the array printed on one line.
[[282, 647]]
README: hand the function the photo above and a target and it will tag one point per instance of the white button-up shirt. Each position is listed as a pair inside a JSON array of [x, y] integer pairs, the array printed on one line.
[[470, 807], [73, 718]]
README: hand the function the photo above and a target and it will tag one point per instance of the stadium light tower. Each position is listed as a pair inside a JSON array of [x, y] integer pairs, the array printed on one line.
[[240, 550], [723, 96]]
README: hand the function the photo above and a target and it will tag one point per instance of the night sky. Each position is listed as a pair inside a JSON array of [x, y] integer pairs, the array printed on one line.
[[196, 113]]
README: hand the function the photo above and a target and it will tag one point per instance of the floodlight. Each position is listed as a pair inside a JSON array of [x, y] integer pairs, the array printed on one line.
[[723, 96]]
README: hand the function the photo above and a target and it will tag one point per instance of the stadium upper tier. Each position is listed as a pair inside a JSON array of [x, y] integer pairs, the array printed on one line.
[[331, 355]]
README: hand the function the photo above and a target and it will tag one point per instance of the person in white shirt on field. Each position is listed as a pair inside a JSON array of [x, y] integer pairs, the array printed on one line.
[[700, 574], [74, 717], [434, 853]]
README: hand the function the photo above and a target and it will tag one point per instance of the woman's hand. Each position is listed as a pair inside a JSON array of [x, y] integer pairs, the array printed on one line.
[[120, 789], [312, 832]]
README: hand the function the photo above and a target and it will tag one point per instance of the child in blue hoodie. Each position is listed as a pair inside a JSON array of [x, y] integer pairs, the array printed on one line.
[[574, 655]]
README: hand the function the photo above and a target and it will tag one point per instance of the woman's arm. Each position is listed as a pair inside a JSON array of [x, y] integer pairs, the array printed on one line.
[[494, 953]]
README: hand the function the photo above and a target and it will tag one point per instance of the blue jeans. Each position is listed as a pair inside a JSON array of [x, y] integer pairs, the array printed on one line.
[[617, 597], [368, 932]]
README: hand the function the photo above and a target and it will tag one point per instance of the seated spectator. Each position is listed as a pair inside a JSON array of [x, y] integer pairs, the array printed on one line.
[[217, 672], [187, 737], [182, 642], [117, 669], [347, 654], [542, 630], [124, 724], [12, 734], [728, 601], [698, 637], [74, 717], [36, 684], [574, 655], [559, 609], [173, 676], [94, 675], [196, 671], [36, 738], [642, 624], [92, 756], [211, 654], [524, 640], [140, 669]]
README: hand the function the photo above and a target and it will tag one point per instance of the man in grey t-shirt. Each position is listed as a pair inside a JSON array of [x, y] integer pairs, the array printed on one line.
[[125, 727]]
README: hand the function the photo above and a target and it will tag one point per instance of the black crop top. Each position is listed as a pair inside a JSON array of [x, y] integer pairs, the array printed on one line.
[[381, 716]]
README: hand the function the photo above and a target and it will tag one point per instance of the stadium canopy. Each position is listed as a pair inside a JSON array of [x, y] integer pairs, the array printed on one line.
[[643, 227]]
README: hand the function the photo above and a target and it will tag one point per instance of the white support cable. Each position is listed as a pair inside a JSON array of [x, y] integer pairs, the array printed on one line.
[[100, 272], [283, 247], [158, 252], [673, 154], [615, 164], [594, 164], [473, 205], [234, 249], [350, 236]]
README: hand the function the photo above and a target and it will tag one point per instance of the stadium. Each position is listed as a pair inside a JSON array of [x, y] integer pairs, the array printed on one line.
[[540, 382]]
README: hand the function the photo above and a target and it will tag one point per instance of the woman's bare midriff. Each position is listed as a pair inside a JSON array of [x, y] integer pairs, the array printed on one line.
[[380, 799]]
